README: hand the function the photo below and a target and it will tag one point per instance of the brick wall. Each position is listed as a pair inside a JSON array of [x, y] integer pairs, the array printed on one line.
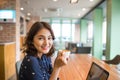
[[7, 4], [7, 34]]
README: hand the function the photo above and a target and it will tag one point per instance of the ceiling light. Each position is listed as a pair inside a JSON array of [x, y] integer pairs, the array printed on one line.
[[21, 8], [73, 1], [55, 0], [84, 9], [28, 14], [91, 0], [52, 10]]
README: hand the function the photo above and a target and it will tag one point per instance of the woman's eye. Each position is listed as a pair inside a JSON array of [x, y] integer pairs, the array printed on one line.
[[50, 38], [40, 38]]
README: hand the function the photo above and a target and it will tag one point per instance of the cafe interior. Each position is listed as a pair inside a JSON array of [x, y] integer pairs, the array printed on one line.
[[87, 28]]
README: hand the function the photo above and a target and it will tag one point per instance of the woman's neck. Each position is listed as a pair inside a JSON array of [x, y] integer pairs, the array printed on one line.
[[39, 55]]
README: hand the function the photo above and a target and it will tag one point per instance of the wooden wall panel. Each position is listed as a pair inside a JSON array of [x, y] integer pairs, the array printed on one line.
[[2, 67], [7, 61], [10, 60]]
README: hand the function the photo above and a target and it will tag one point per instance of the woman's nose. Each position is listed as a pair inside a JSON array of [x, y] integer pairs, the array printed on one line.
[[46, 41]]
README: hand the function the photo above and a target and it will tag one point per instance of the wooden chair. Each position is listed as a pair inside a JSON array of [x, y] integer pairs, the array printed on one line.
[[115, 60]]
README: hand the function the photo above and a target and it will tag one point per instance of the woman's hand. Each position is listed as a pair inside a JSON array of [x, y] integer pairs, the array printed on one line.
[[61, 59]]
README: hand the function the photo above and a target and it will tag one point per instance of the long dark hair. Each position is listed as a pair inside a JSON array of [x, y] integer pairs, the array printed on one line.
[[29, 47]]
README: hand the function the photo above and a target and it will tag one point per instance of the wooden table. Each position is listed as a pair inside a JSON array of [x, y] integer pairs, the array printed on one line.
[[79, 65]]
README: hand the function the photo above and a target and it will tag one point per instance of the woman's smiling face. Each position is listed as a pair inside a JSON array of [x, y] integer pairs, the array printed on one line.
[[43, 41]]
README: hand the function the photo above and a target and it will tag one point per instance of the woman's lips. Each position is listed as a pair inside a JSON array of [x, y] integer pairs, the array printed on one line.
[[45, 48]]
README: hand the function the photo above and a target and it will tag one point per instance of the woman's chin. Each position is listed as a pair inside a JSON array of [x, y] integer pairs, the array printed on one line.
[[45, 51]]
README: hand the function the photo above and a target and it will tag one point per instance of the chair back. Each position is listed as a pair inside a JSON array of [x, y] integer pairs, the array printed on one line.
[[115, 60], [18, 64], [86, 50]]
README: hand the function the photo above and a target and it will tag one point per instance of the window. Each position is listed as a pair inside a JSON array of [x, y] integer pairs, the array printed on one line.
[[104, 32], [90, 31], [66, 30], [63, 29], [56, 29]]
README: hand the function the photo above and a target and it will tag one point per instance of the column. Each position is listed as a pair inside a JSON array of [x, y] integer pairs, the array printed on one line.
[[97, 32], [83, 31], [113, 28]]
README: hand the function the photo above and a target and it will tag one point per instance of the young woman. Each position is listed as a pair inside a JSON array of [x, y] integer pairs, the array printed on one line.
[[39, 48]]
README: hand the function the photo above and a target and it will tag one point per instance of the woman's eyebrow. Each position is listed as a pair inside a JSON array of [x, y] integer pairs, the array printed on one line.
[[43, 36], [50, 36], [39, 36]]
